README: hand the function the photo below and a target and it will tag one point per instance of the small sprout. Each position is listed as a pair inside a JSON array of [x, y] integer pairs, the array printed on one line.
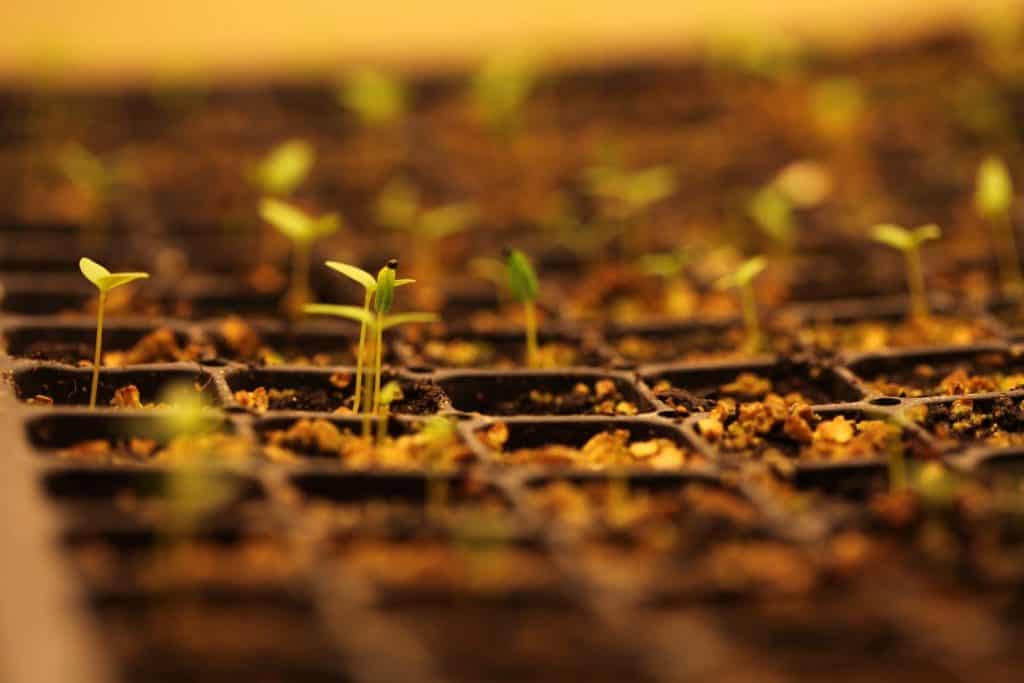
[[376, 97], [500, 89], [805, 183], [838, 105], [397, 204], [104, 281], [88, 173], [742, 280], [389, 393], [909, 242], [664, 265], [524, 286], [628, 195], [993, 198], [302, 230], [376, 322], [284, 168], [398, 207]]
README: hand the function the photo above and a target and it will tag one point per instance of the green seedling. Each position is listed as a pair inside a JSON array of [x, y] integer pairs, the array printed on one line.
[[499, 91], [303, 230], [377, 321], [104, 281], [398, 207], [993, 199], [96, 180], [374, 96], [909, 242], [284, 168], [629, 195], [389, 393], [524, 286], [193, 490], [369, 284], [838, 104], [742, 280]]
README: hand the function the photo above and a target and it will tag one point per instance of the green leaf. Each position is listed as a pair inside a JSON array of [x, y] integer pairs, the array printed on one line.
[[328, 224], [375, 96], [404, 281], [743, 275], [407, 318], [397, 204], [285, 167], [350, 312], [927, 233], [355, 273], [646, 187], [117, 279], [773, 213], [447, 220], [895, 236], [993, 194], [103, 278], [520, 276], [384, 294], [92, 271], [390, 392], [289, 220]]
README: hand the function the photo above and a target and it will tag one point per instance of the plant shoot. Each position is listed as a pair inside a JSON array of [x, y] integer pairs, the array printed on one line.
[[375, 97], [993, 199], [104, 281], [303, 230], [524, 286], [284, 168], [909, 242], [742, 280]]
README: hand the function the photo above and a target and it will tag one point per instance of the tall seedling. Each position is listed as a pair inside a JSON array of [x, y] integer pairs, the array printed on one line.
[[993, 199], [742, 280], [104, 281], [303, 230], [909, 242], [524, 287]]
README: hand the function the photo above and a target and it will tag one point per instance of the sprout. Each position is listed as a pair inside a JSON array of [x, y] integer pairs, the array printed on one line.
[[398, 207], [993, 198], [742, 280], [389, 393], [374, 96], [302, 230], [629, 194], [838, 104], [909, 242], [104, 281], [284, 168], [375, 322], [524, 287], [499, 90], [96, 180]]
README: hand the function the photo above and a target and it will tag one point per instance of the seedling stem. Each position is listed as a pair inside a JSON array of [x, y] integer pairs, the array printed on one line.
[[993, 199], [524, 286], [909, 242], [742, 280]]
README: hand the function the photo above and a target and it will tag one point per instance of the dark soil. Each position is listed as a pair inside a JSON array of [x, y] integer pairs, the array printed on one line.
[[418, 398]]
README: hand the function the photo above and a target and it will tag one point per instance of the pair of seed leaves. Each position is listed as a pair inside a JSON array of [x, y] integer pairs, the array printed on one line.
[[103, 278], [383, 289], [294, 224]]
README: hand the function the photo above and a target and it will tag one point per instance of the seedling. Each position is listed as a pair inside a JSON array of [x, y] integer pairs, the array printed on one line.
[[399, 207], [284, 168], [440, 433], [772, 212], [376, 97], [909, 242], [500, 89], [742, 280], [993, 198], [799, 185], [303, 230], [391, 392], [369, 284], [104, 281], [524, 287], [629, 195], [376, 322], [96, 180]]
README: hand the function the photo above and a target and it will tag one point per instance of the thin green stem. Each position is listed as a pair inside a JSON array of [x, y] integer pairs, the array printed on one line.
[[750, 317], [99, 351], [299, 293], [361, 355], [382, 426], [915, 283], [530, 316], [1009, 263], [377, 363]]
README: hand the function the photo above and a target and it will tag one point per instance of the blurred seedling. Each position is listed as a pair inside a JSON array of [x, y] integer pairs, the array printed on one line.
[[284, 168], [369, 284], [193, 488], [838, 104], [628, 196], [499, 91], [389, 393], [524, 287], [105, 281], [399, 207], [909, 242], [799, 185], [376, 322], [376, 97], [97, 181], [993, 199], [440, 434], [303, 230], [742, 280]]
